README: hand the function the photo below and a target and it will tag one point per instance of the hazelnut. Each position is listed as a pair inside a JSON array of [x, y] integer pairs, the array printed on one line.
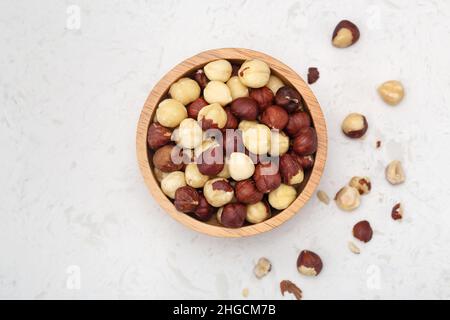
[[394, 173], [282, 197], [232, 121], [290, 169], [172, 182], [194, 177], [219, 70], [159, 175], [267, 177], [313, 75], [362, 184], [275, 117], [189, 134], [274, 84], [290, 287], [217, 92], [323, 197], [237, 89], [397, 212], [391, 92], [240, 166], [245, 108], [245, 124], [354, 125], [167, 159], [297, 121], [256, 139], [225, 173], [246, 192], [363, 231], [218, 192], [204, 210], [262, 267], [345, 34], [212, 116], [201, 78], [258, 212], [185, 90], [158, 136], [305, 142], [232, 142], [186, 199], [288, 98], [306, 162], [195, 106], [309, 263], [170, 113], [232, 215], [211, 161], [254, 73], [347, 198], [263, 96], [279, 143]]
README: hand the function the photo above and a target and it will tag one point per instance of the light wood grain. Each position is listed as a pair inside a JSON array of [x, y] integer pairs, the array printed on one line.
[[289, 76]]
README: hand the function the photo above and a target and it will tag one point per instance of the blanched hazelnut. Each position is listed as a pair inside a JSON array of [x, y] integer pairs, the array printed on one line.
[[212, 116], [240, 166], [170, 113], [288, 98], [354, 125], [391, 92], [219, 70], [246, 192], [232, 121], [290, 169], [257, 139], [263, 96], [201, 78], [158, 136], [218, 192], [345, 34], [237, 89], [211, 161], [245, 124], [347, 198], [254, 73], [274, 84], [194, 108], [309, 263], [275, 117], [186, 199], [159, 175], [232, 215], [257, 212], [267, 177], [245, 108], [262, 267], [362, 184], [305, 142], [204, 210], [194, 177], [363, 231], [397, 212], [297, 121], [185, 90], [225, 173], [279, 143], [282, 197], [217, 92], [394, 173], [189, 134], [172, 182], [168, 159]]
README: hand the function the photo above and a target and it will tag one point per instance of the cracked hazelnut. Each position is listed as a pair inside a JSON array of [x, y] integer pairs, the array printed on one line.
[[254, 73], [195, 106], [201, 78], [194, 177], [232, 121], [245, 108], [282, 197], [232, 215], [309, 263], [363, 231], [189, 134], [219, 70], [290, 287], [263, 96], [297, 121], [172, 182], [240, 166], [267, 177], [306, 162], [237, 89], [391, 92], [313, 75], [204, 210], [158, 136], [185, 90], [274, 84], [397, 212], [218, 192], [217, 92], [247, 193], [258, 212], [279, 143], [186, 199], [212, 116], [347, 198], [256, 139], [275, 117], [170, 113], [305, 142], [354, 125], [168, 159], [362, 184], [211, 161], [345, 34], [262, 267], [290, 169], [394, 173], [288, 98]]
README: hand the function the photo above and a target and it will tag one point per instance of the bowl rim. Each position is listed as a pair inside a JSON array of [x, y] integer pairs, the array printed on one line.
[[187, 66]]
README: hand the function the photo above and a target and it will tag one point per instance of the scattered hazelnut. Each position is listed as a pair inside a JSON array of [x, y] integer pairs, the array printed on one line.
[[290, 169], [282, 197], [348, 198], [254, 73], [212, 116], [237, 89], [170, 113], [345, 34], [240, 166], [245, 108], [195, 106], [391, 92], [211, 161], [158, 136], [263, 96], [159, 175], [232, 121], [217, 92], [275, 117], [394, 173], [353, 248], [245, 292], [172, 182], [397, 212], [279, 143], [257, 139], [189, 134], [313, 75], [274, 84], [219, 70], [305, 142], [297, 121], [309, 263], [185, 90], [363, 231], [362, 184], [204, 210], [267, 177], [166, 159], [186, 199], [218, 192], [354, 125], [258, 212], [306, 162], [288, 98], [322, 196], [201, 78], [262, 267], [247, 193], [194, 177], [290, 287], [232, 215]]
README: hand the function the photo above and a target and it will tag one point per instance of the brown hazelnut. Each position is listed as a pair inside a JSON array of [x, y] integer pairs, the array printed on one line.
[[305, 142], [297, 120], [232, 121], [306, 162], [267, 177], [288, 98], [232, 215], [218, 192], [275, 117], [204, 210], [313, 75], [397, 212], [345, 34], [232, 142], [258, 212], [195, 106], [263, 96], [201, 78], [245, 108], [290, 169], [158, 136], [211, 161], [167, 159], [186, 199], [354, 125], [262, 268], [362, 184], [309, 263], [363, 231], [347, 198], [246, 192]]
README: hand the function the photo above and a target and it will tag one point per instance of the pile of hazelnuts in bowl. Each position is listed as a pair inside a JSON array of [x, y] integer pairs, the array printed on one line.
[[231, 143]]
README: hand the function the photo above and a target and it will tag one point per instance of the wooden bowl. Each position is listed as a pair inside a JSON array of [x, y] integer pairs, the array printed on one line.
[[237, 55]]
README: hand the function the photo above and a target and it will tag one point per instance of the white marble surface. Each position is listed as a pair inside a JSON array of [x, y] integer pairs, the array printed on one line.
[[76, 220]]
